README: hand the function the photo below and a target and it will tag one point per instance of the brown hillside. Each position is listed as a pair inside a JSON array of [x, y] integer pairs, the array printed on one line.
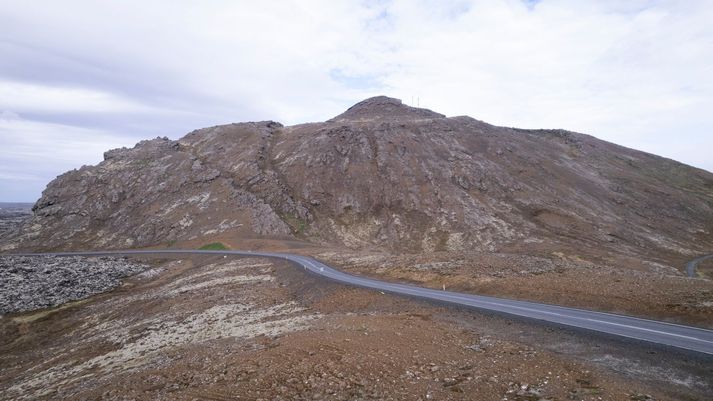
[[386, 176]]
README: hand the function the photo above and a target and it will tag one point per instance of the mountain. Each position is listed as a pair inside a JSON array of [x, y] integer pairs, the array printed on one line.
[[382, 175]]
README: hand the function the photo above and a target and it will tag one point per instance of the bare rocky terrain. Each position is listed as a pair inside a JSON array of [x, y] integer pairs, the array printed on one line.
[[213, 328], [384, 190], [28, 283], [526, 214], [652, 291], [705, 269], [385, 176]]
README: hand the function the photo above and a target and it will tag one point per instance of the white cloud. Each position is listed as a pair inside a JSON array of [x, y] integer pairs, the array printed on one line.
[[55, 143], [33, 153], [636, 73], [28, 97]]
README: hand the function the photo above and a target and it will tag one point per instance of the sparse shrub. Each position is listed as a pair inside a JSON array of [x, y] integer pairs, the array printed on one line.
[[214, 246]]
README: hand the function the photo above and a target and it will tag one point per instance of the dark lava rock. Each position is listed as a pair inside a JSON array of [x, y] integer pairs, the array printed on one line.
[[28, 283]]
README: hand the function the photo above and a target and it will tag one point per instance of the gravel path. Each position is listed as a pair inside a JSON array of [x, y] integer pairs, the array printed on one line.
[[28, 283]]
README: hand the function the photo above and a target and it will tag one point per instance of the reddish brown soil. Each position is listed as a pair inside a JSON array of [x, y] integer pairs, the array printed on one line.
[[657, 293], [347, 344]]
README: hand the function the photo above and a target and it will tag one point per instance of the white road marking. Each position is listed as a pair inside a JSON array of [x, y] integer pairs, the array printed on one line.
[[478, 301]]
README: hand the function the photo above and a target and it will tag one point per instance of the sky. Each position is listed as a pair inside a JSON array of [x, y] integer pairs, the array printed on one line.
[[80, 77]]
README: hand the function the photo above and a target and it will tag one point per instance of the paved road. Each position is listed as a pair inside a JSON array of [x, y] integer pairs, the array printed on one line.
[[691, 266], [689, 338]]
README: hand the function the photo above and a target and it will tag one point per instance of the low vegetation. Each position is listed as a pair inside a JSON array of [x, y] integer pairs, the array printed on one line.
[[214, 246]]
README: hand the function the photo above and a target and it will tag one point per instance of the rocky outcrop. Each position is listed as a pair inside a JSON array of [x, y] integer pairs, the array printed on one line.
[[382, 108], [28, 283], [381, 175]]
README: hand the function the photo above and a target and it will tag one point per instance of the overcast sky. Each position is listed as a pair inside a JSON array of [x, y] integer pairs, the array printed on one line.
[[80, 77]]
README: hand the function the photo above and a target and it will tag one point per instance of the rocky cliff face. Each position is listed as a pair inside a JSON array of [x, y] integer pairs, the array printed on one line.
[[381, 175]]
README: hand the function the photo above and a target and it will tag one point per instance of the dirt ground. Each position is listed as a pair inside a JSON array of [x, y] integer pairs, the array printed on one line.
[[705, 269], [655, 287], [213, 328], [650, 290]]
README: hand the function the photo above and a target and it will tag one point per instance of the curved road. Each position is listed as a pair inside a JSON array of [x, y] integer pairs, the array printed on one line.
[[692, 265], [685, 337]]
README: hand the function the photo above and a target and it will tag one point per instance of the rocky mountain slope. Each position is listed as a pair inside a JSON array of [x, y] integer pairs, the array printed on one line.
[[382, 175]]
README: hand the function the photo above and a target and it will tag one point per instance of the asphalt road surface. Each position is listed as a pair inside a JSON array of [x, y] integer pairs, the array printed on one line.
[[668, 334], [692, 265]]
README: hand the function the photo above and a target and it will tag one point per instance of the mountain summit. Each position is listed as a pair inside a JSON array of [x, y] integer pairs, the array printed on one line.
[[381, 108], [382, 175]]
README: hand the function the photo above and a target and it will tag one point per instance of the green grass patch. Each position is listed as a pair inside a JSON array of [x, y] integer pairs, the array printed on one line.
[[214, 246]]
